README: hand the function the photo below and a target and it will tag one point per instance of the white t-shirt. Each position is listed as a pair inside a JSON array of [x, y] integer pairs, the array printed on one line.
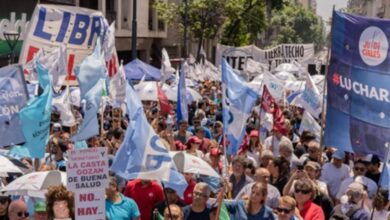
[[371, 186], [272, 143], [333, 177]]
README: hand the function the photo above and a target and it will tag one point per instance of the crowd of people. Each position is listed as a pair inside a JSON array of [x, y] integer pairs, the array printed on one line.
[[277, 174]]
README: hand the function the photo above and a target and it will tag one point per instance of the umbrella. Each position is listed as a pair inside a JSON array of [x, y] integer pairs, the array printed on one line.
[[34, 184], [288, 67], [283, 75], [7, 166], [147, 91], [187, 163]]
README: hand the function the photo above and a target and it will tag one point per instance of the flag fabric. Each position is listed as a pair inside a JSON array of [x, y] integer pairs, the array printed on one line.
[[224, 213], [61, 103], [35, 117], [110, 53], [310, 99], [142, 154], [13, 97], [238, 100], [166, 67], [165, 107], [275, 86], [181, 105], [308, 123], [117, 87], [90, 126], [268, 105], [358, 85], [384, 180]]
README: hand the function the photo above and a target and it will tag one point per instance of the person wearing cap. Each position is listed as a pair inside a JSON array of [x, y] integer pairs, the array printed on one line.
[[215, 160], [335, 172], [351, 204], [359, 172], [193, 145], [40, 211], [373, 171], [172, 198]]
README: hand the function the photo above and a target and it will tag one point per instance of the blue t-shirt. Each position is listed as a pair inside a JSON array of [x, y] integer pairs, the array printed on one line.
[[125, 209], [237, 210]]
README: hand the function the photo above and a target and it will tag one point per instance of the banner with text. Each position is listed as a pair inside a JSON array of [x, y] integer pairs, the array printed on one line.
[[13, 97], [77, 28], [90, 204], [271, 58]]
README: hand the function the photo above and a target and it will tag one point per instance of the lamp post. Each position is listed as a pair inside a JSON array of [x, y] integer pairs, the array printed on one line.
[[134, 32], [12, 38]]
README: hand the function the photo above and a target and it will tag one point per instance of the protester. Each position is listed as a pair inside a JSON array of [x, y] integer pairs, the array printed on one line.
[[272, 142], [279, 169], [373, 169], [146, 194], [314, 153], [198, 210], [117, 205], [4, 203], [304, 193], [60, 203], [182, 134], [238, 179], [193, 145], [17, 210], [40, 211], [174, 212], [286, 209], [380, 205], [172, 198]]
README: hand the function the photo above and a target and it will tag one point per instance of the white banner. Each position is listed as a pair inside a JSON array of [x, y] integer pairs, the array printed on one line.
[[90, 205], [283, 53], [87, 169], [77, 28]]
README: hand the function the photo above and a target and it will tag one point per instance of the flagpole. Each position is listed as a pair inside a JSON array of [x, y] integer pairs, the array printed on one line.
[[166, 200], [324, 89]]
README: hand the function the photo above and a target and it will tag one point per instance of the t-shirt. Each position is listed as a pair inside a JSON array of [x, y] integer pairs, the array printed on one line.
[[237, 211], [146, 197], [188, 192], [272, 143], [333, 177], [191, 215], [125, 209], [371, 186]]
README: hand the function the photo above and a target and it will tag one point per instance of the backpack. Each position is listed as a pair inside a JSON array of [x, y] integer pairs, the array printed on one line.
[[339, 215]]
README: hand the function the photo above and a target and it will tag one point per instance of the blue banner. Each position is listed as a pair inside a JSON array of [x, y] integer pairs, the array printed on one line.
[[13, 97], [358, 109]]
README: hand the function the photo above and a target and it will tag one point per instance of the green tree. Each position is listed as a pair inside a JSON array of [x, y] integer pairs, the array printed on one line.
[[294, 24]]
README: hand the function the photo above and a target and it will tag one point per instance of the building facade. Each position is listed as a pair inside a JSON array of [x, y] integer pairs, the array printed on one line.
[[370, 8]]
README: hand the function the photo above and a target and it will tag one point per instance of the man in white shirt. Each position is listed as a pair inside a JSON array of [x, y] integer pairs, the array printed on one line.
[[272, 142], [334, 172]]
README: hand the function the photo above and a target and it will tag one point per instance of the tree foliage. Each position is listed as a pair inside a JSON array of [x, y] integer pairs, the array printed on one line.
[[294, 24]]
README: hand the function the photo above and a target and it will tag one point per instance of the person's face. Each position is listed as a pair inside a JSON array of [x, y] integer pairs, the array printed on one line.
[[285, 152], [111, 189], [3, 205], [310, 172], [337, 162], [196, 122], [199, 196], [257, 196], [359, 169], [284, 211], [40, 216], [176, 214], [171, 196], [215, 159], [183, 126], [302, 195], [262, 176], [195, 145], [188, 177], [265, 161], [313, 152], [272, 168], [60, 209], [19, 212], [238, 169]]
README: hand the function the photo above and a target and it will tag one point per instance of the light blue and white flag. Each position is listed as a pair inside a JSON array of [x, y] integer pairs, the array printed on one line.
[[384, 180], [308, 123], [90, 126], [13, 97], [142, 154], [117, 87], [61, 103], [310, 99], [36, 116], [238, 100], [182, 106]]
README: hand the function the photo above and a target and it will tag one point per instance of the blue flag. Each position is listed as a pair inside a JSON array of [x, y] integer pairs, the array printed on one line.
[[36, 116], [358, 102], [90, 126], [142, 154], [238, 100], [182, 105], [13, 97]]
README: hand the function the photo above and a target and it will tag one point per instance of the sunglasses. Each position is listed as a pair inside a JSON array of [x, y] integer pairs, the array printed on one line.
[[23, 214], [359, 169], [283, 210], [3, 201], [302, 191]]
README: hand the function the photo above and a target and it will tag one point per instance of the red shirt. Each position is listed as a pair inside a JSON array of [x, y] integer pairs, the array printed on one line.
[[146, 197], [312, 211], [188, 192]]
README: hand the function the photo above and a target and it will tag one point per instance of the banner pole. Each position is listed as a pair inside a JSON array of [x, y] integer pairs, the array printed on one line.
[[166, 200]]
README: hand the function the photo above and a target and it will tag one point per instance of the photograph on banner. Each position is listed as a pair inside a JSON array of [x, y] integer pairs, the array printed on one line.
[[87, 169], [54, 25], [90, 204], [271, 58]]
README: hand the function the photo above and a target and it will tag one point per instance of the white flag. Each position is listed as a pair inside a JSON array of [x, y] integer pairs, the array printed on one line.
[[62, 104], [166, 67], [308, 123], [117, 87], [310, 99], [275, 86]]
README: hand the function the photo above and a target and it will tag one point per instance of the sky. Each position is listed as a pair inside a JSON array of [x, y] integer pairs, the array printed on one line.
[[324, 7]]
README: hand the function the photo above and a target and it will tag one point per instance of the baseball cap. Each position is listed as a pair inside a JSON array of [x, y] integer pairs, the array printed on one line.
[[40, 207], [254, 133], [339, 154], [215, 152], [194, 139]]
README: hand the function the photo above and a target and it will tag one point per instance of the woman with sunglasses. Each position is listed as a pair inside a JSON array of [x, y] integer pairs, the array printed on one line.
[[252, 208], [304, 193], [287, 208]]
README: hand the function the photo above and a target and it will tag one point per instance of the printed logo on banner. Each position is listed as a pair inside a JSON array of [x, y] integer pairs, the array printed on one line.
[[373, 46]]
